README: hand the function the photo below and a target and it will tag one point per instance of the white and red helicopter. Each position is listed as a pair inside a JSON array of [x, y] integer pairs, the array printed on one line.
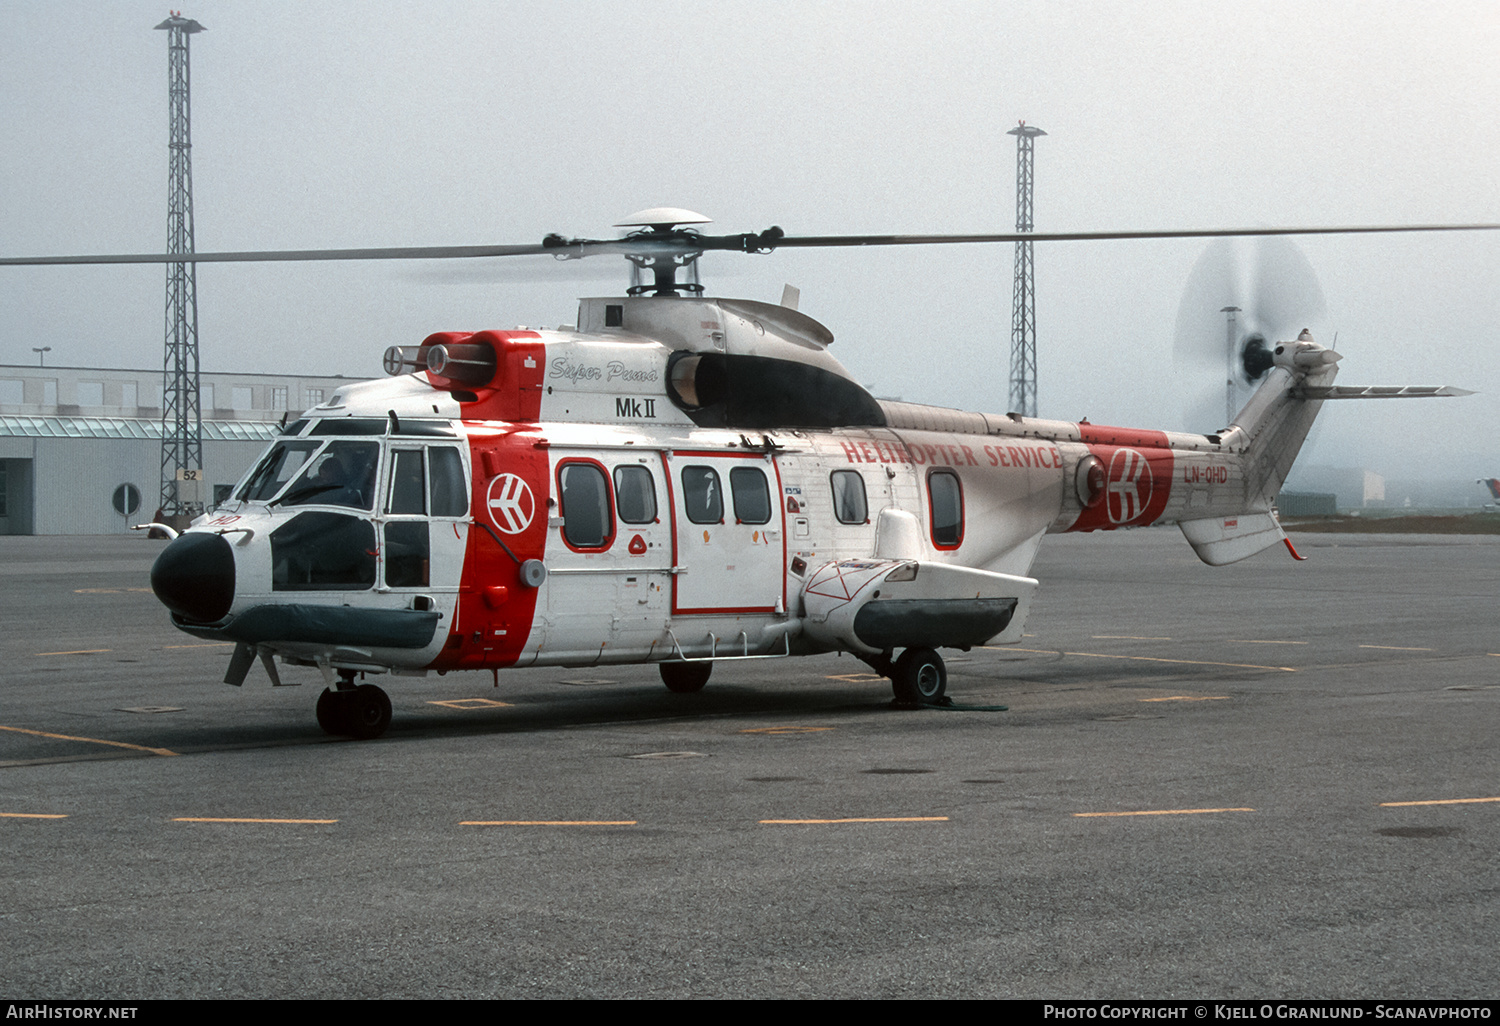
[[680, 480]]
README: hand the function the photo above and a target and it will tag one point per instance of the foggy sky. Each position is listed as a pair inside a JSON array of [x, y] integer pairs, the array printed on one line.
[[378, 123]]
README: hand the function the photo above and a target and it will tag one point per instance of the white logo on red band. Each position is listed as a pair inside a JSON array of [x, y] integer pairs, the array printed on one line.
[[511, 504], [1130, 484]]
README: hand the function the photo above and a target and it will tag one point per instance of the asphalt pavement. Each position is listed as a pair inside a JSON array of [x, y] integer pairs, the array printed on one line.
[[1274, 779]]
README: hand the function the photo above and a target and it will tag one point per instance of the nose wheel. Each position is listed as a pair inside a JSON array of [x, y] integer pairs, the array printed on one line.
[[362, 712]]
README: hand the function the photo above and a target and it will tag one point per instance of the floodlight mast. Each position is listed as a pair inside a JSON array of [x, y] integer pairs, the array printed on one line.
[[182, 420], [1023, 307]]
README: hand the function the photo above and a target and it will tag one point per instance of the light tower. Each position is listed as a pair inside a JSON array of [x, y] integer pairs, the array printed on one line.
[[1023, 308], [181, 418], [1231, 337]]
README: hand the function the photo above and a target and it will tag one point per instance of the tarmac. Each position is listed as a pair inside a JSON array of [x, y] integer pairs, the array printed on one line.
[[1269, 780]]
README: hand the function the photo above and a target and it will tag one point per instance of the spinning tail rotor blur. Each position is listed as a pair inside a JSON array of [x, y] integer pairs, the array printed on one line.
[[1242, 297]]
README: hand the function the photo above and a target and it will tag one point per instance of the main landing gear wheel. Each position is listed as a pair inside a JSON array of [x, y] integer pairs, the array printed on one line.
[[369, 712], [685, 678], [333, 711], [363, 712], [919, 677]]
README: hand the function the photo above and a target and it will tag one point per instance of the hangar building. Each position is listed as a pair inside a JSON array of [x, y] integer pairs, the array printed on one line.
[[75, 440]]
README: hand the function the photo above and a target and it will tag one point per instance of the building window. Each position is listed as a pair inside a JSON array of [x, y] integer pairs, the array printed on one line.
[[206, 397], [49, 392], [278, 397], [243, 396], [129, 394], [314, 397], [91, 393], [13, 392]]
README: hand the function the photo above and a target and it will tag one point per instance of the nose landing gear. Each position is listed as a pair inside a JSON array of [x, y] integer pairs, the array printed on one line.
[[362, 712]]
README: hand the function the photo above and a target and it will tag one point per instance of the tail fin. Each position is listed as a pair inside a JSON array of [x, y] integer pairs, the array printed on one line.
[[1275, 422], [1268, 434]]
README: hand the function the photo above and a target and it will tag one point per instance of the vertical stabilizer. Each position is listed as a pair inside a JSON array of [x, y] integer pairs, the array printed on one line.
[[1268, 434]]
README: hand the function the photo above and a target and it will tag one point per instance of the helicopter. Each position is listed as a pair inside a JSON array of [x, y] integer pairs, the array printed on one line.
[[681, 480]]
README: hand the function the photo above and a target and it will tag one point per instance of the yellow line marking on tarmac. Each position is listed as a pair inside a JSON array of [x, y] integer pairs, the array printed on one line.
[[208, 819], [1157, 812], [1188, 698], [866, 819], [1263, 641], [1440, 801], [548, 822], [78, 651], [1396, 648], [33, 815], [471, 703], [91, 740], [784, 730], [1145, 659], [1123, 637], [854, 678], [206, 644]]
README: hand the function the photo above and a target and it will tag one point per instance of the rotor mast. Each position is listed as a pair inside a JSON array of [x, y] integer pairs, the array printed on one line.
[[181, 420], [1023, 304]]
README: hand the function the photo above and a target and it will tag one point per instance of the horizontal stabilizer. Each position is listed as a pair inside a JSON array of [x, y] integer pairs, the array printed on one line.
[[1221, 540], [1377, 392]]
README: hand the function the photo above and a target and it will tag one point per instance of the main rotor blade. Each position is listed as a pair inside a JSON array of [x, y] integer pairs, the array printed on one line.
[[273, 255], [809, 241], [765, 242]]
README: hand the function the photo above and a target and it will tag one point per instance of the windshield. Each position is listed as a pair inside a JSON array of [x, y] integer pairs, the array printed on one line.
[[312, 472], [342, 474], [275, 469]]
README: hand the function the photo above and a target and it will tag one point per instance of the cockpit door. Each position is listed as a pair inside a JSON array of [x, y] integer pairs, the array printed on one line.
[[424, 516]]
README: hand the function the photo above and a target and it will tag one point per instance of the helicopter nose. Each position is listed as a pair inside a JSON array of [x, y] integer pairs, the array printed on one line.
[[194, 577]]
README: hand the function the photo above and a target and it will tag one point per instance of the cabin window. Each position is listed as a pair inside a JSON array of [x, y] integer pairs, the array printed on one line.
[[701, 496], [407, 554], [450, 491], [323, 552], [408, 484], [945, 498], [752, 496], [584, 490], [635, 495], [849, 504]]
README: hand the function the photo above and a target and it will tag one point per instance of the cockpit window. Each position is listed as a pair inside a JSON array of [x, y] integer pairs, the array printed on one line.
[[276, 468], [343, 474]]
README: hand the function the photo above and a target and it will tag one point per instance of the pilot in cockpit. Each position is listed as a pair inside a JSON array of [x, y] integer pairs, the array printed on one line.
[[332, 482]]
